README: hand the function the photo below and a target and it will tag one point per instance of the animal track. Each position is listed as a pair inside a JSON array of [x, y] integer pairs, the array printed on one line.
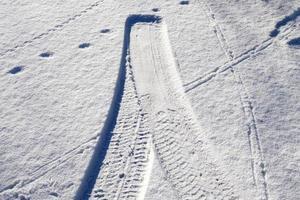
[[46, 54], [51, 30], [294, 42], [184, 2], [53, 194], [22, 197], [255, 146], [274, 33], [237, 59], [287, 19], [84, 45], [16, 70], [105, 30], [49, 166]]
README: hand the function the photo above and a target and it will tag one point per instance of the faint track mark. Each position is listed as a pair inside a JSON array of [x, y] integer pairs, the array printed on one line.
[[238, 59], [253, 136], [218, 31], [50, 165], [55, 28]]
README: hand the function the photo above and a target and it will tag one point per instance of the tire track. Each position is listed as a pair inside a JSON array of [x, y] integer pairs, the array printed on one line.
[[173, 125], [118, 165], [151, 107], [55, 28], [124, 166]]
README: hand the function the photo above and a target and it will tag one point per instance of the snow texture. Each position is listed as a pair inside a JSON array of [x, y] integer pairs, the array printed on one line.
[[184, 99]]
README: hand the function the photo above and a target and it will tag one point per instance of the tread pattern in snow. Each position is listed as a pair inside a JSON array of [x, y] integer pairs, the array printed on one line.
[[122, 172]]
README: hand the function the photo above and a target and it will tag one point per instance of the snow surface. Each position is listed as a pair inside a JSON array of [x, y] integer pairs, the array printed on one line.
[[150, 99]]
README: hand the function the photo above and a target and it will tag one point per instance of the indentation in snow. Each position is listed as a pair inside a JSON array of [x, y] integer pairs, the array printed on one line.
[[294, 42], [46, 54], [184, 2], [84, 45], [16, 70], [105, 30]]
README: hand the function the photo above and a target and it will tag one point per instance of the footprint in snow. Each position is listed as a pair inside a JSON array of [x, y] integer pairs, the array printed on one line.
[[46, 54], [274, 33], [105, 30], [121, 175], [184, 2], [84, 45], [15, 70], [155, 9], [294, 42], [24, 198], [53, 194]]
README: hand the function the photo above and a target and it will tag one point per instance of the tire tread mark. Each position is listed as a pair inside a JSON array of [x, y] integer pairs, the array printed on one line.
[[131, 143]]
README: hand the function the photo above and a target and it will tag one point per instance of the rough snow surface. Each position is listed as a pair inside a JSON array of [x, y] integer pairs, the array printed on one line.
[[150, 100]]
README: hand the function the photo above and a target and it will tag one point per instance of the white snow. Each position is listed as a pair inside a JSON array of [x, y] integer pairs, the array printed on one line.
[[211, 87]]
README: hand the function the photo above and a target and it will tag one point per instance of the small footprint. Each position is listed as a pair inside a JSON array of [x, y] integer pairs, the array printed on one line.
[[46, 54], [274, 33], [294, 42], [15, 70], [184, 2], [53, 194], [121, 175], [105, 30], [155, 9], [24, 197], [84, 45]]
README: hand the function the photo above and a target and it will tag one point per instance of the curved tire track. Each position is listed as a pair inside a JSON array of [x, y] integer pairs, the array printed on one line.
[[186, 161], [150, 105]]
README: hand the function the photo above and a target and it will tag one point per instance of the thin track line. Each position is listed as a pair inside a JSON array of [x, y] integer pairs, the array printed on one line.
[[55, 28]]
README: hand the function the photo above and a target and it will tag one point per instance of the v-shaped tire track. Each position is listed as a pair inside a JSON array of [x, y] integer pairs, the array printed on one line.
[[150, 111]]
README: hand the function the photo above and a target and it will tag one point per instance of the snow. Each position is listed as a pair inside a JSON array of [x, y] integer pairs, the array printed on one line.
[[189, 100]]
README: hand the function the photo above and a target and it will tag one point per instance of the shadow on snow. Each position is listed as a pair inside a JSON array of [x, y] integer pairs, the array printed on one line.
[[93, 169]]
